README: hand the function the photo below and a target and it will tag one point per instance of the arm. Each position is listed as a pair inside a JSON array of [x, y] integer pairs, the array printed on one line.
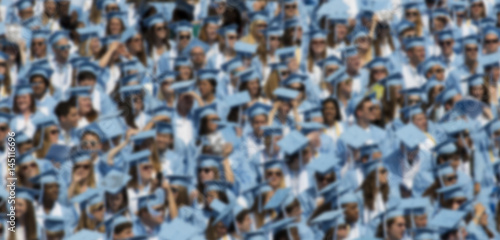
[[273, 112], [197, 98], [172, 205], [104, 61], [115, 150], [228, 172], [295, 111], [153, 121]]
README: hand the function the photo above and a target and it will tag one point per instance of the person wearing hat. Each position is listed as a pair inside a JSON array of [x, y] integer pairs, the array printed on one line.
[[209, 34], [183, 35], [25, 109], [91, 208], [392, 224], [44, 93], [332, 118], [68, 118], [39, 47], [6, 82], [207, 85], [61, 46], [157, 37], [50, 192], [27, 226], [259, 22], [226, 52], [150, 213], [416, 52], [134, 42], [83, 175]]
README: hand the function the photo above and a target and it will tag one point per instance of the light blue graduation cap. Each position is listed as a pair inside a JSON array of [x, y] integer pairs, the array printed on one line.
[[417, 136], [131, 78], [331, 60], [179, 180], [5, 117], [138, 138], [206, 161], [167, 76], [211, 20], [371, 166], [445, 35], [444, 169], [138, 157], [229, 29], [255, 235], [311, 110], [294, 78], [206, 74], [114, 181], [238, 99], [292, 23], [232, 64], [26, 193], [440, 12], [454, 191], [394, 79], [455, 127], [414, 42], [273, 31], [285, 53], [164, 128], [22, 89], [410, 111], [470, 39], [90, 67], [132, 65], [259, 16], [216, 185], [127, 91], [42, 71], [490, 60], [54, 224], [195, 43], [245, 50], [415, 206], [46, 177], [355, 101], [21, 138], [426, 233], [183, 86], [249, 75], [181, 229], [475, 80], [56, 36], [308, 127], [256, 191], [293, 142], [89, 198], [357, 33], [447, 94], [318, 34], [278, 199], [492, 126], [83, 91], [273, 164], [87, 33], [349, 51], [491, 30], [43, 34], [204, 111], [429, 63], [23, 4], [329, 219], [80, 156], [445, 147], [117, 14], [153, 20], [337, 77], [76, 60], [377, 62], [182, 26], [272, 130], [447, 220], [85, 234], [404, 25], [369, 149]]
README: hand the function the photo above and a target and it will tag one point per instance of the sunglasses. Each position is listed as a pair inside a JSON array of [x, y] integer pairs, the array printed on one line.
[[63, 47], [205, 170], [274, 38], [184, 37], [439, 70], [451, 178], [31, 165], [476, 5], [3, 129], [471, 49], [284, 73], [318, 42], [292, 6], [38, 44], [84, 166], [372, 108], [89, 143], [411, 14], [377, 71], [383, 171], [137, 39], [273, 173], [232, 37], [445, 43], [54, 132], [490, 41], [147, 167]]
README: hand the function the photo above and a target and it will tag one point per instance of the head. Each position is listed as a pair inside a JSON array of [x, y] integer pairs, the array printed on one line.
[[135, 44], [244, 221], [416, 54], [420, 121], [471, 52], [61, 50], [323, 180], [275, 178], [116, 202], [412, 15], [90, 141], [86, 79], [490, 43], [24, 103], [39, 47], [207, 87], [51, 192], [207, 173], [396, 228], [40, 85], [258, 122], [164, 141], [183, 39], [115, 26], [446, 46], [123, 231], [67, 114], [364, 110], [198, 56], [351, 212], [477, 10], [291, 9], [318, 46], [353, 63]]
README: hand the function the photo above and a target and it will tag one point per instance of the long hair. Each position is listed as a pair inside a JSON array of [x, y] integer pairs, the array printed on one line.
[[151, 38], [201, 185], [7, 83], [141, 56], [273, 82], [90, 181], [379, 38], [23, 181], [389, 105], [431, 191], [310, 58], [85, 222], [16, 109], [95, 13], [370, 190], [108, 30], [124, 204], [380, 228], [30, 224], [259, 217], [46, 144], [182, 197]]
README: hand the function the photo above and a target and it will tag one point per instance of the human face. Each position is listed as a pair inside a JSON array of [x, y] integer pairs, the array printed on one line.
[[211, 31], [412, 15], [291, 10], [257, 123], [39, 47], [274, 177], [420, 221], [351, 212], [146, 170], [125, 234], [29, 169], [53, 132], [71, 120], [26, 13], [246, 224], [353, 63], [397, 228], [205, 88], [318, 45], [382, 175], [160, 30], [420, 120], [345, 88], [341, 31], [476, 9], [49, 7], [491, 43], [363, 43], [21, 207], [61, 49], [253, 88], [163, 141], [418, 54], [98, 211], [197, 56], [220, 229], [447, 46], [206, 174], [51, 191], [477, 92], [183, 39], [84, 105], [4, 128], [231, 39], [323, 180], [82, 169], [329, 112], [457, 202], [138, 102], [135, 44], [39, 86], [3, 67], [367, 111], [95, 45], [90, 142], [212, 120], [115, 26], [379, 73], [185, 73], [210, 196], [436, 71], [23, 102], [449, 179], [274, 42], [115, 201], [259, 27], [471, 51]]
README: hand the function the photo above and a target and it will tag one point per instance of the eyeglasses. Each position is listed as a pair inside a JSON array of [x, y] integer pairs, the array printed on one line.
[[490, 41], [54, 132], [446, 43], [411, 14], [273, 173], [451, 178], [147, 167], [31, 165], [383, 171], [471, 49], [3, 129], [184, 37], [63, 47], [274, 38], [38, 44], [439, 70], [291, 6], [232, 37], [84, 166], [89, 143], [205, 170], [160, 28]]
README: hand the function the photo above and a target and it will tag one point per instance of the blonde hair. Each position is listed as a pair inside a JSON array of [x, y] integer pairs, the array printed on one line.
[[90, 181]]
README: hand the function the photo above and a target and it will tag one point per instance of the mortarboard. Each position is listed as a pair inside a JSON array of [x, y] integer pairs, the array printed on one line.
[[23, 4], [26, 193], [216, 185], [56, 36], [44, 34], [377, 62], [138, 138], [426, 233], [54, 224], [229, 29], [453, 191], [138, 157], [329, 219], [167, 76], [84, 91], [475, 80], [245, 49], [153, 20], [164, 128], [349, 52], [293, 142], [417, 136], [414, 42], [42, 71], [447, 94], [22, 89], [259, 16], [85, 234], [308, 127], [179, 180], [89, 67], [490, 60], [331, 60], [404, 25], [294, 78], [285, 53], [445, 35], [195, 43], [232, 64], [470, 39], [114, 181], [249, 75], [273, 164], [183, 86], [88, 33], [182, 26], [206, 74], [445, 147], [204, 111], [371, 166], [447, 220], [205, 161], [357, 33], [5, 117], [238, 99]]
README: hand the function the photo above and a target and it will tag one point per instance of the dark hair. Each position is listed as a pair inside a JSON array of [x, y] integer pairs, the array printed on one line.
[[62, 109], [118, 229], [331, 100], [86, 75], [360, 106]]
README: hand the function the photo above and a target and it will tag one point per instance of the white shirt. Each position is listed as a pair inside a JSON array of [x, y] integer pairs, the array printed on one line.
[[61, 77], [411, 77], [184, 129]]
